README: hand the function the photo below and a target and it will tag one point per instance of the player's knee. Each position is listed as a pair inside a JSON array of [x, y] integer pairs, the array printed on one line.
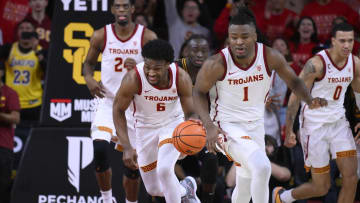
[[350, 180], [322, 190], [101, 155], [263, 169], [153, 190], [163, 172], [131, 174], [209, 169]]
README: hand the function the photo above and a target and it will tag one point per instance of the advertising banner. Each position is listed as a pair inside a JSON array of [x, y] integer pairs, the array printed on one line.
[[67, 100], [57, 167]]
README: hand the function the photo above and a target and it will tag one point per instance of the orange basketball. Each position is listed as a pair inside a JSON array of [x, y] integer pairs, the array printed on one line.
[[189, 137]]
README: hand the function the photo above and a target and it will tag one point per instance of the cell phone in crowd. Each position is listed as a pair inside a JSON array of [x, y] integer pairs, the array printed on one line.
[[28, 35]]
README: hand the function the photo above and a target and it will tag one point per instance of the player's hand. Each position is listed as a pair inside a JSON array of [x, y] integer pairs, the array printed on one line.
[[130, 158], [290, 139], [97, 89], [129, 63], [317, 103], [272, 102], [357, 137], [212, 137]]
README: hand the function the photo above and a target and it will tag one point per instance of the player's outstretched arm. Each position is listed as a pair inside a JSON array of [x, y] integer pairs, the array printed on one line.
[[129, 87], [96, 44], [185, 94], [211, 71], [312, 70]]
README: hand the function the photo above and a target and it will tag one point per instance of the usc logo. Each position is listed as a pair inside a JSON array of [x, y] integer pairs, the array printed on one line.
[[79, 48]]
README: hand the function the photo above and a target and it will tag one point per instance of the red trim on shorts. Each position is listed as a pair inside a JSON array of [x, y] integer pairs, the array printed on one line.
[[225, 65], [302, 124], [307, 147], [140, 83], [325, 169], [103, 48], [171, 81], [265, 61], [328, 55], [123, 41], [216, 104], [324, 67], [142, 36], [177, 75], [348, 153], [353, 59], [134, 110], [252, 62]]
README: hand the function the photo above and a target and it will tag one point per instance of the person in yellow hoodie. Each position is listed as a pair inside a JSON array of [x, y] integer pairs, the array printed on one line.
[[25, 63]]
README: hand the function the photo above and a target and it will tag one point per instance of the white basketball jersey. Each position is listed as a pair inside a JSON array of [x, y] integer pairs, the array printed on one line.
[[331, 87], [156, 107], [114, 55], [241, 95]]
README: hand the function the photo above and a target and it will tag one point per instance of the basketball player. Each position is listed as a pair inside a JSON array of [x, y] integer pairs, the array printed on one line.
[[239, 79], [154, 87], [325, 130], [199, 51], [120, 44]]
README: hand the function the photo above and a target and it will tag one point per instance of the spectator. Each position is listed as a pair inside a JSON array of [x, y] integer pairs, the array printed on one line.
[[181, 28], [24, 65], [222, 22], [9, 117], [303, 41], [141, 19], [323, 12], [11, 13], [274, 20], [41, 21]]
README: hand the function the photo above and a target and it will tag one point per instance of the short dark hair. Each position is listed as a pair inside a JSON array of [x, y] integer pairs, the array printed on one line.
[[196, 36], [132, 2], [346, 27], [26, 21], [244, 16], [158, 50]]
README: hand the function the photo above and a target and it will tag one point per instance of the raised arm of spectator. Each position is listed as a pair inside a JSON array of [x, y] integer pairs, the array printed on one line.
[[171, 12], [222, 22]]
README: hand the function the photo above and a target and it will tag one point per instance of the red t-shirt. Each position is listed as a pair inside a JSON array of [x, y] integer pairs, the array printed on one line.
[[9, 101], [11, 13], [277, 25], [43, 29], [301, 53], [324, 15]]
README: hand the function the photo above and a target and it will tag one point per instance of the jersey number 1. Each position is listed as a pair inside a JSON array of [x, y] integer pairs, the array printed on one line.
[[246, 98]]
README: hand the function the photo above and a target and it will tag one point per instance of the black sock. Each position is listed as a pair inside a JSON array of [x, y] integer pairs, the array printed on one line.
[[160, 200], [207, 197]]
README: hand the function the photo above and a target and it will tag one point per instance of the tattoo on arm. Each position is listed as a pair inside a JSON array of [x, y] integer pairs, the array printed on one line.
[[309, 68]]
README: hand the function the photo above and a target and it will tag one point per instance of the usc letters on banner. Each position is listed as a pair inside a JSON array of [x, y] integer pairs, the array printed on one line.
[[67, 101]]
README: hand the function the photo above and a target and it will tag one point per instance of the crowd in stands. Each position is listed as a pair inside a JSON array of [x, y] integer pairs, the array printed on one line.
[[297, 29]]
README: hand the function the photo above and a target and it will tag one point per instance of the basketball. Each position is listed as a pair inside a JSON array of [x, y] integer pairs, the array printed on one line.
[[189, 137]]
